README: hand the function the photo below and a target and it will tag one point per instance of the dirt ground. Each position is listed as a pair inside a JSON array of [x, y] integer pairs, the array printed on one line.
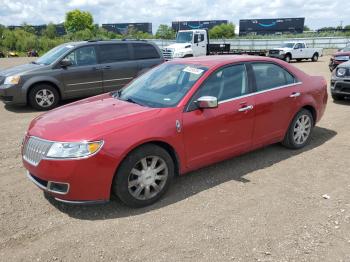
[[264, 206]]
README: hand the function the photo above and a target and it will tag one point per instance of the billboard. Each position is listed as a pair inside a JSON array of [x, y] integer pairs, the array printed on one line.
[[188, 25], [122, 28], [271, 26]]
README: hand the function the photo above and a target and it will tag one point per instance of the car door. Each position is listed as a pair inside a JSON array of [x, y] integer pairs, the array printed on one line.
[[83, 77], [298, 51], [217, 133], [146, 56], [276, 98], [117, 66], [200, 45]]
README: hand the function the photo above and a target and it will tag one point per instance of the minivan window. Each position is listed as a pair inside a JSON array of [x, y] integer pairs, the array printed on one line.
[[83, 56], [268, 75], [144, 51], [114, 53], [53, 54]]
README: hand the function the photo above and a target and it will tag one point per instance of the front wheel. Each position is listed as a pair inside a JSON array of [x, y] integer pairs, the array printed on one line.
[[144, 176], [299, 131], [43, 97], [288, 58]]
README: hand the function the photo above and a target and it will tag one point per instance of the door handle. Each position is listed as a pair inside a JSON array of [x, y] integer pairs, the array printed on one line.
[[296, 94], [107, 67], [246, 108]]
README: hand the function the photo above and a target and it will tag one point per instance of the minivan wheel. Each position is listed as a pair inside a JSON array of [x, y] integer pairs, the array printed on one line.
[[43, 97], [299, 132], [144, 176]]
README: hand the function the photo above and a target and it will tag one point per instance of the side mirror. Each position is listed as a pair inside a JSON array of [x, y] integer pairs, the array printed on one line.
[[196, 40], [65, 63], [205, 102], [296, 47]]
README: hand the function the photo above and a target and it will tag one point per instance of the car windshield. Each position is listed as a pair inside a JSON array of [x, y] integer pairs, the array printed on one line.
[[287, 45], [163, 86], [53, 54], [184, 37]]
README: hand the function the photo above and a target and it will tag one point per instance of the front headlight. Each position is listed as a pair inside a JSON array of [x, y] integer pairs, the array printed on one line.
[[74, 150], [341, 72], [12, 80]]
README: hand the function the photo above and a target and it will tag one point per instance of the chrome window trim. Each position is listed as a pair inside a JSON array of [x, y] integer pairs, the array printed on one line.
[[260, 92]]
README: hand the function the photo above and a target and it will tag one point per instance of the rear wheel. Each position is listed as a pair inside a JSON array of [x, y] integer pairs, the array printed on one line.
[[314, 57], [43, 97], [144, 176], [299, 60], [299, 131]]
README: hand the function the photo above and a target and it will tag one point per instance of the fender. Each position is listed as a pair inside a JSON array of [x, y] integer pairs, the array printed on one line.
[[37, 79]]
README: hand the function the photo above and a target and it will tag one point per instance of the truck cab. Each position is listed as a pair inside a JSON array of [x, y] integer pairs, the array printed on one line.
[[188, 43]]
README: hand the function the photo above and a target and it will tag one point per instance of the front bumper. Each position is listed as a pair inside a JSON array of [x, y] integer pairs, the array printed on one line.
[[279, 56], [340, 86], [12, 95], [334, 63], [83, 181]]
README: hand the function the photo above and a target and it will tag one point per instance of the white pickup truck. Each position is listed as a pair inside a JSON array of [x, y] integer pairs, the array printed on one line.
[[297, 51]]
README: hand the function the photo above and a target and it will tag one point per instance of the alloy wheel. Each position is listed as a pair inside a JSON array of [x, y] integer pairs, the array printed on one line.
[[44, 98], [148, 177], [302, 129]]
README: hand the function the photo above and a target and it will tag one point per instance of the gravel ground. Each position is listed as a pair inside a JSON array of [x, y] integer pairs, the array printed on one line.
[[264, 206]]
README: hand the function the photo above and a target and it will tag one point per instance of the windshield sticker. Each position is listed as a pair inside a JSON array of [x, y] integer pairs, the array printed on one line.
[[69, 46], [193, 70]]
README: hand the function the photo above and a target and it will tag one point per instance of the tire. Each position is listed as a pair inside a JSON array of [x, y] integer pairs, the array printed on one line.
[[337, 97], [131, 183], [314, 57], [300, 130], [288, 58], [299, 60], [188, 56], [43, 97]]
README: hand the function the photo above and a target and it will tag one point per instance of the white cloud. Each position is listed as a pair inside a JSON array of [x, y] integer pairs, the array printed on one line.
[[318, 13]]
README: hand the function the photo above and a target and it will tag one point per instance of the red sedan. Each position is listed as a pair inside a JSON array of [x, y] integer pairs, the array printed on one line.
[[177, 117]]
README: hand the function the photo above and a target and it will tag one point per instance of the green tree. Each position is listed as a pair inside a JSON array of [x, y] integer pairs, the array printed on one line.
[[165, 32], [77, 20], [306, 28], [28, 28], [222, 31], [50, 31]]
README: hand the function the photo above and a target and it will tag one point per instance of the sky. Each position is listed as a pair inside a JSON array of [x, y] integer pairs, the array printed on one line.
[[318, 13]]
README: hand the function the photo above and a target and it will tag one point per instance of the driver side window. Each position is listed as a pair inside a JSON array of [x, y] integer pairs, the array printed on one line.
[[82, 56]]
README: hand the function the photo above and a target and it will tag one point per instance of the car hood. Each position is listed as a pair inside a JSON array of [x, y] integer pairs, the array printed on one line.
[[89, 119], [178, 46], [21, 69]]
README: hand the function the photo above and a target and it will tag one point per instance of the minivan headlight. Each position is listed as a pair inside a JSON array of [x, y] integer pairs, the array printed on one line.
[[12, 80], [74, 150], [341, 72]]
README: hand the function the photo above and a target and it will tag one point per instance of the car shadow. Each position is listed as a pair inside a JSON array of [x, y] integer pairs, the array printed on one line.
[[28, 109], [344, 102], [195, 182]]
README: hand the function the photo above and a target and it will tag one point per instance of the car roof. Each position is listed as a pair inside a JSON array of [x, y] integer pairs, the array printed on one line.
[[220, 60], [112, 41]]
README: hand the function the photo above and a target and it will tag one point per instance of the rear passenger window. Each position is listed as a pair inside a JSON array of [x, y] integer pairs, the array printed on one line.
[[144, 51], [269, 76], [114, 53]]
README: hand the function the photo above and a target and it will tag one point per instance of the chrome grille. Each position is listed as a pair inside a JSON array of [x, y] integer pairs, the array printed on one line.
[[35, 150], [168, 53], [274, 52]]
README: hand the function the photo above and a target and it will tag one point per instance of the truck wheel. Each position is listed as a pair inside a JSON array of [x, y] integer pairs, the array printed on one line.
[[287, 58], [188, 56], [314, 57], [43, 97], [299, 60], [144, 176]]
